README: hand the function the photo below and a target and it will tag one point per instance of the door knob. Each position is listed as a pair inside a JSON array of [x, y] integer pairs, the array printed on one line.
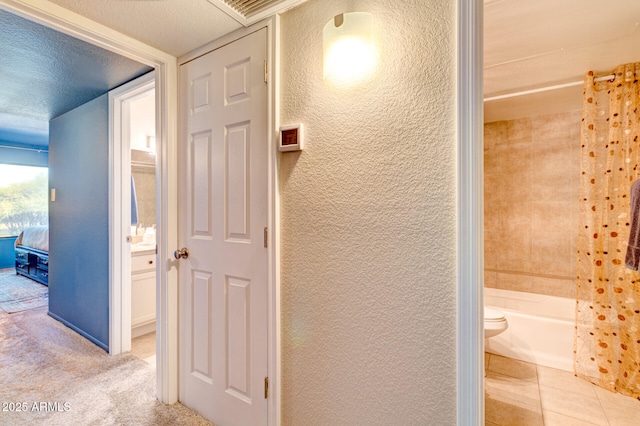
[[183, 253]]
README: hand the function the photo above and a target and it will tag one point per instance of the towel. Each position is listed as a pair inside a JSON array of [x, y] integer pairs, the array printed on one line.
[[632, 258], [134, 203]]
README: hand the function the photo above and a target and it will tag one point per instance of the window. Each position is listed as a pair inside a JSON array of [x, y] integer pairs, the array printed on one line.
[[23, 198]]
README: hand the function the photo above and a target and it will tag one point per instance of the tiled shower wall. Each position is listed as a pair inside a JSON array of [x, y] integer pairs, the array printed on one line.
[[143, 169], [531, 190], [145, 178]]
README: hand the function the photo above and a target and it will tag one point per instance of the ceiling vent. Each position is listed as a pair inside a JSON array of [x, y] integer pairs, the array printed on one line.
[[247, 12]]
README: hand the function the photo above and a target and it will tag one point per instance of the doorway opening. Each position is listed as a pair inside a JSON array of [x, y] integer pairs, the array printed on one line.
[[134, 246], [142, 144], [166, 124]]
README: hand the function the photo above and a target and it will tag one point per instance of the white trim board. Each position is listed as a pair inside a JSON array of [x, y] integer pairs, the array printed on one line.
[[470, 316], [275, 345], [63, 20], [119, 208]]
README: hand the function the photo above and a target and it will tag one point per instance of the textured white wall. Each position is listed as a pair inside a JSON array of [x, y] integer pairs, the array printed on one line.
[[368, 223], [142, 120]]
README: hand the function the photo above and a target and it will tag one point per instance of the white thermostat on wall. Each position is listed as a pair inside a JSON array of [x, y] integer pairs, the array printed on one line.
[[291, 137]]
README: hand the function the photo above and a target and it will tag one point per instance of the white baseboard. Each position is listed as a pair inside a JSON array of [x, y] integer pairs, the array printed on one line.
[[141, 330]]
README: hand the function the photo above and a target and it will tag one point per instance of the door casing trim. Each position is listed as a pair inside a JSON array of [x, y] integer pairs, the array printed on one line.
[[470, 264], [119, 206]]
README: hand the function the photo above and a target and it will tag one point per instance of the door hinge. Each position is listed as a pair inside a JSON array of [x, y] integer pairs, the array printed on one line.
[[266, 387], [266, 71], [266, 236]]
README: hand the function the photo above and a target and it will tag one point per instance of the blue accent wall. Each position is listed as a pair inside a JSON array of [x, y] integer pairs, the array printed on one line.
[[79, 220], [7, 252]]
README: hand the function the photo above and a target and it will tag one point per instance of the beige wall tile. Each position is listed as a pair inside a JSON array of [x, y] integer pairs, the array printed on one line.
[[490, 160], [493, 194], [550, 221], [145, 180], [490, 278], [515, 159], [553, 287], [551, 180], [518, 130], [516, 282], [530, 284], [554, 267], [510, 259], [553, 187], [515, 191], [551, 238], [491, 253], [495, 133], [564, 125], [531, 202]]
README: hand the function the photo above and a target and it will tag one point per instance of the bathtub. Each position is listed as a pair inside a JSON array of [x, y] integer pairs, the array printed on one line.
[[540, 328]]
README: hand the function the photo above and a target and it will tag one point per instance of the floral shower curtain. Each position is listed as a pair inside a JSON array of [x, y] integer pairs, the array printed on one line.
[[607, 338]]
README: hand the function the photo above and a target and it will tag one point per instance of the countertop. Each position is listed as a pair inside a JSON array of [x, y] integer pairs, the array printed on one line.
[[141, 249]]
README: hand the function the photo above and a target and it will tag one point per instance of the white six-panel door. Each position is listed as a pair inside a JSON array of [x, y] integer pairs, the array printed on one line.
[[223, 214]]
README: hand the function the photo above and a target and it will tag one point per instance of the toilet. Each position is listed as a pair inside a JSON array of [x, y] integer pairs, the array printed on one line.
[[494, 322]]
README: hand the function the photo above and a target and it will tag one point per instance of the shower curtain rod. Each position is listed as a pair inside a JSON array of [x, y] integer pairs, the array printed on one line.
[[546, 89]]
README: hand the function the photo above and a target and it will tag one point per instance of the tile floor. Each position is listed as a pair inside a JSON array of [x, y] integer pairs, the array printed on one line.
[[144, 347], [519, 393]]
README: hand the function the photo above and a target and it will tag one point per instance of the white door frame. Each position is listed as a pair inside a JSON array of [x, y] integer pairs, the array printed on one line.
[[119, 210], [273, 123], [470, 249], [65, 21]]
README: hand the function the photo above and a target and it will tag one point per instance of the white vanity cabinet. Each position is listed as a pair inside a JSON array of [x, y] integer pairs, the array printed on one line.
[[143, 293]]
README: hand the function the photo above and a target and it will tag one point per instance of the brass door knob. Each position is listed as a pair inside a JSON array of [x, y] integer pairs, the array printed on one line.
[[183, 253]]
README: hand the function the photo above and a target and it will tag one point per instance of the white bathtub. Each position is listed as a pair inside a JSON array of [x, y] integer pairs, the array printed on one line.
[[540, 328]]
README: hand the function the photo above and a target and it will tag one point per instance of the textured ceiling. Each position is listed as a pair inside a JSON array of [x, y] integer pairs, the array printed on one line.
[[19, 130], [45, 73], [528, 45], [536, 44], [173, 26]]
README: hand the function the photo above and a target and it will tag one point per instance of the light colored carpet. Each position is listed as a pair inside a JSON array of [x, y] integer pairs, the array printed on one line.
[[60, 378], [19, 293]]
